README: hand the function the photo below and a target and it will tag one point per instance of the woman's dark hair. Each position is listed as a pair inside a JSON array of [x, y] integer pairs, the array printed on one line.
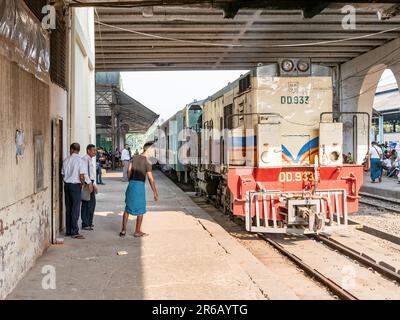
[[147, 145]]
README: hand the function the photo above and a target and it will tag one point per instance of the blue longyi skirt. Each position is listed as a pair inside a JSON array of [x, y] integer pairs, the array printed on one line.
[[376, 169], [135, 198]]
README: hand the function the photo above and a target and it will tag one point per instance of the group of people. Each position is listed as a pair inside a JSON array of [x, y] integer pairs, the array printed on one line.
[[79, 175], [383, 160]]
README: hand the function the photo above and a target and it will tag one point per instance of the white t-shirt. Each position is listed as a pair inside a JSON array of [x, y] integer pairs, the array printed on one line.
[[72, 168], [375, 152], [388, 163], [125, 155]]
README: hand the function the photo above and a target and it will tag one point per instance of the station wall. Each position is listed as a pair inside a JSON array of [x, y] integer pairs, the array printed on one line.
[[32, 214], [24, 209]]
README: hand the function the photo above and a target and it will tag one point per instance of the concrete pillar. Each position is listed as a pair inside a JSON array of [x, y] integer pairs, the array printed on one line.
[[359, 80], [381, 137], [396, 71], [113, 135]]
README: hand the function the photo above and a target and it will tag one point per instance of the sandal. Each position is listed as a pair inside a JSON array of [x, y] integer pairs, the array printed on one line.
[[78, 236], [140, 235], [122, 234]]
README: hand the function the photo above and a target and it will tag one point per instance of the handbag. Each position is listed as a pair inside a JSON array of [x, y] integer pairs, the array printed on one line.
[[86, 194]]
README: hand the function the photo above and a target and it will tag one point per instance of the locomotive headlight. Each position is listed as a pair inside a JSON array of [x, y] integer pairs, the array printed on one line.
[[287, 65], [334, 156], [264, 157], [303, 65]]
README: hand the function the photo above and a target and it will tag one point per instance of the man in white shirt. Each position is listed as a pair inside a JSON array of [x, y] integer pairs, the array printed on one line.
[[125, 158], [88, 207], [73, 173]]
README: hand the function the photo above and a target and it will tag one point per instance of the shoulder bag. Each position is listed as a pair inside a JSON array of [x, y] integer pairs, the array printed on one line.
[[85, 195]]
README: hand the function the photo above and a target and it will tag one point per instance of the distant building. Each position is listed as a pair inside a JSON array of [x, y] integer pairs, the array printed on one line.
[[120, 119], [387, 113]]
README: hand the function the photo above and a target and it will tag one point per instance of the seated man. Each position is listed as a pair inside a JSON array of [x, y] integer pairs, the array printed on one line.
[[349, 158], [387, 165]]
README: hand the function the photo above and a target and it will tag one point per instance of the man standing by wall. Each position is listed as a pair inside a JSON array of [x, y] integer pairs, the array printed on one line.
[[73, 172], [88, 207], [125, 157]]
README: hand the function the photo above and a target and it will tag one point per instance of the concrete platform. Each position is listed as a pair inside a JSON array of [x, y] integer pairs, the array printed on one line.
[[187, 256], [388, 188]]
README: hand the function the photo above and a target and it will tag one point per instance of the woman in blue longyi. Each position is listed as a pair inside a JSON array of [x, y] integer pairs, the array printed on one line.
[[135, 196], [376, 155]]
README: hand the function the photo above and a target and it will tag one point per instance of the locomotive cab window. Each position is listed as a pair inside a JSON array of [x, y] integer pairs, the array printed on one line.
[[244, 84]]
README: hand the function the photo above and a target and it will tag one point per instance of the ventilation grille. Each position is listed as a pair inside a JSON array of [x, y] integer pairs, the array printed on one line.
[[58, 43]]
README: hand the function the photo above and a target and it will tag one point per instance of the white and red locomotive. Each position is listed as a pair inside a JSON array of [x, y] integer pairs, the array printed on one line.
[[270, 150]]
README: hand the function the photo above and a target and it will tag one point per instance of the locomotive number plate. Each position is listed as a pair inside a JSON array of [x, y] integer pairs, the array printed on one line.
[[296, 176], [295, 99]]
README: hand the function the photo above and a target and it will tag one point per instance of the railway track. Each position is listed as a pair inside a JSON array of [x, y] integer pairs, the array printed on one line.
[[371, 272], [334, 287], [380, 202], [383, 274], [357, 261]]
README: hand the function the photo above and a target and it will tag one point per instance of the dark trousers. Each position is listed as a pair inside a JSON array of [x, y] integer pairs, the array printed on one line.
[[73, 206], [87, 211], [99, 178]]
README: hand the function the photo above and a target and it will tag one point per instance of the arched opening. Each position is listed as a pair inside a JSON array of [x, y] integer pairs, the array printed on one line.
[[362, 88], [386, 110]]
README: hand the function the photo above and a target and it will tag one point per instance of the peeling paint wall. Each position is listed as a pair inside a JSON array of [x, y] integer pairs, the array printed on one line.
[[24, 214], [25, 235]]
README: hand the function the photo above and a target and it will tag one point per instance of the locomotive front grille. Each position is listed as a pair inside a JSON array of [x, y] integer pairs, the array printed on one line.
[[298, 213]]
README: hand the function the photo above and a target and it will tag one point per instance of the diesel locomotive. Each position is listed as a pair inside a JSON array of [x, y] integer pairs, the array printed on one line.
[[268, 148]]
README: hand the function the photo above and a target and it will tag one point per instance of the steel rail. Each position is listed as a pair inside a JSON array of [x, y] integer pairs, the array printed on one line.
[[360, 226], [333, 286], [380, 198], [377, 205], [381, 267]]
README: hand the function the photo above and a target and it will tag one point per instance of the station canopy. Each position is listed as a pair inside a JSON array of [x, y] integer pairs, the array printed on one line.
[[132, 116], [228, 34]]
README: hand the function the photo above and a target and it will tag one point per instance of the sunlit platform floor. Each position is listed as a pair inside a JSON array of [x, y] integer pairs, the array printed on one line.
[[187, 256], [388, 188]]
